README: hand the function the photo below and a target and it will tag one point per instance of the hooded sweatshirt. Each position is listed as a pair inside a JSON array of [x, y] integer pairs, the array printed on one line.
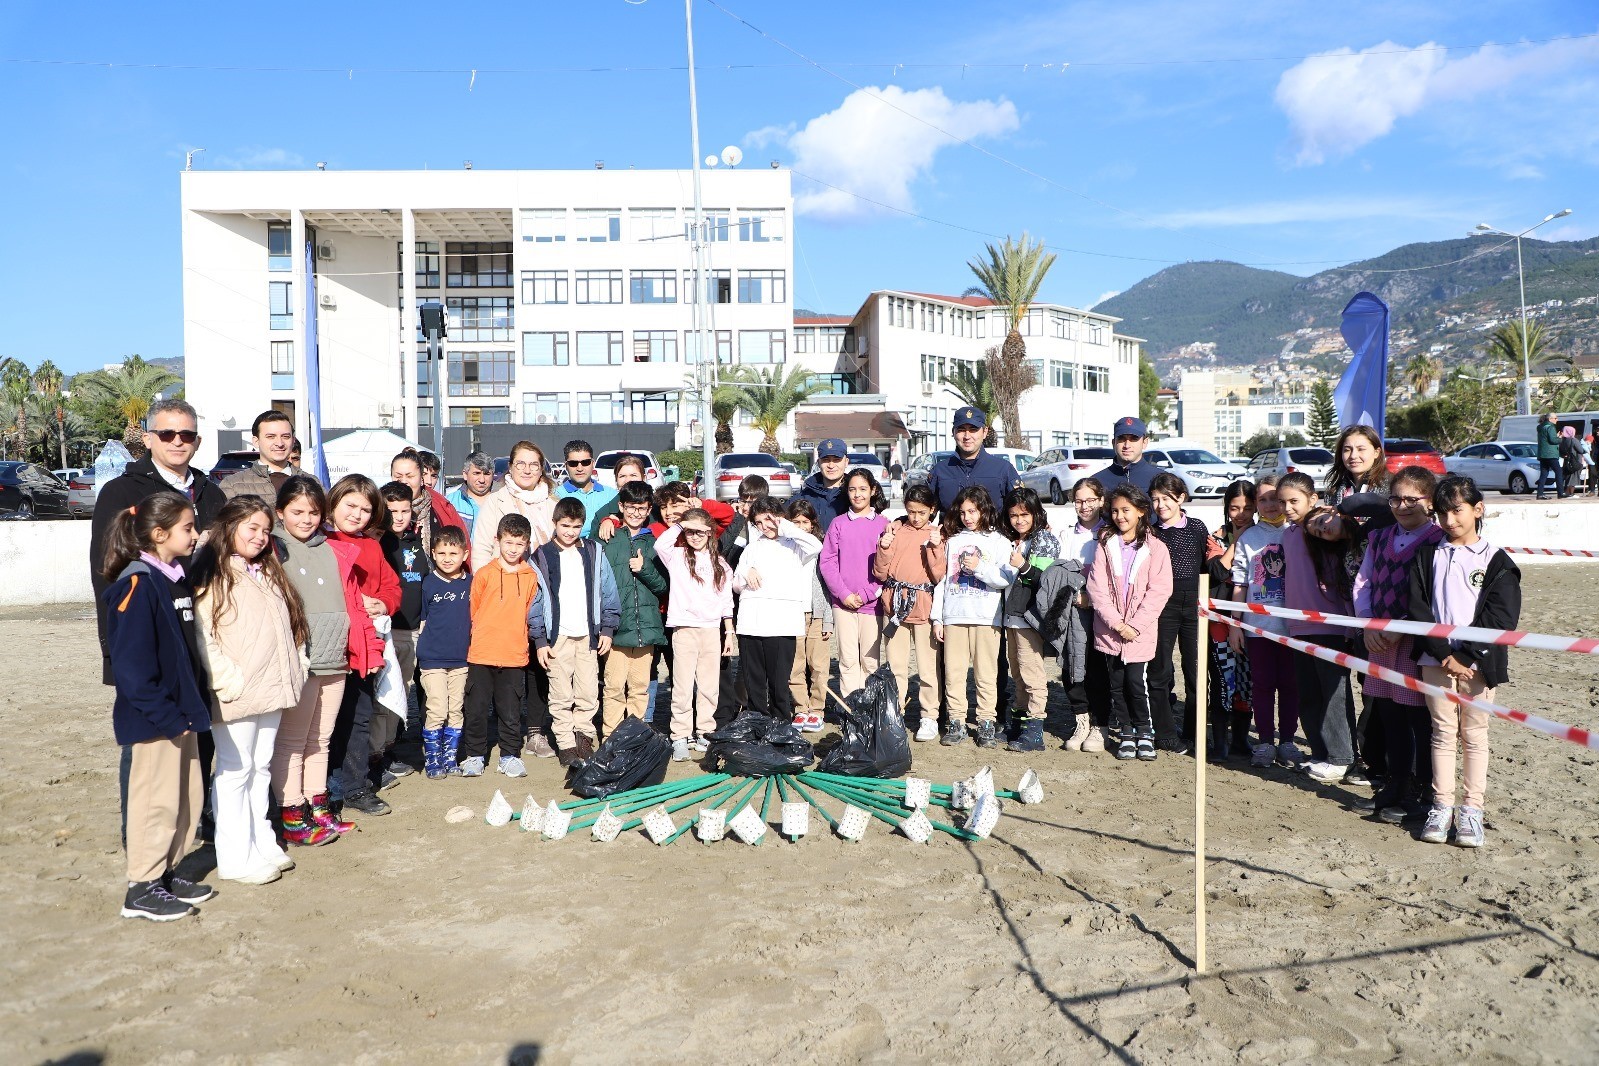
[[846, 559], [501, 596]]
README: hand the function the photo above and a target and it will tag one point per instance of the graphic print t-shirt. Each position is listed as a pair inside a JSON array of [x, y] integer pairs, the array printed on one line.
[[1258, 562]]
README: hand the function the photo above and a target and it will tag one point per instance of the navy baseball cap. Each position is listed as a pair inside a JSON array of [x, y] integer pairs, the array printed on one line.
[[970, 416], [1129, 427], [830, 448]]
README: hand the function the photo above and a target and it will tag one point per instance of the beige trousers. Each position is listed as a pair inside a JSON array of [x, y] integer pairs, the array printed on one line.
[[898, 650], [813, 653], [696, 677], [165, 794], [1468, 726], [859, 646], [973, 648], [627, 684], [1029, 671], [446, 695], [574, 689], [300, 755]]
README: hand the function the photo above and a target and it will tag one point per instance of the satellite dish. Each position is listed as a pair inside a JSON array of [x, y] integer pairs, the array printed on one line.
[[732, 155], [710, 160]]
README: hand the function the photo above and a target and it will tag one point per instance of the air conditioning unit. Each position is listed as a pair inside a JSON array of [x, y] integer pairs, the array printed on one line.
[[927, 388], [910, 417], [542, 420], [324, 252], [326, 300]]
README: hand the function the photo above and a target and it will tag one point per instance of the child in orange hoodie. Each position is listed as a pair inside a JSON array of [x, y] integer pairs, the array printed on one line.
[[497, 658]]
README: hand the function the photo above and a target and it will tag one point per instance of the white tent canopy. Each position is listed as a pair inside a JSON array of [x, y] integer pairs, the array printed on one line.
[[364, 451]]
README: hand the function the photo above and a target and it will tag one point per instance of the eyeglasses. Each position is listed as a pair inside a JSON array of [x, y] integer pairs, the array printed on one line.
[[643, 505], [696, 532], [167, 436], [1088, 502], [1406, 501], [580, 462], [526, 466]]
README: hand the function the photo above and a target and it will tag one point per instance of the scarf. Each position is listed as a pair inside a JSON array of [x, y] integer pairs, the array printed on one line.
[[537, 494], [422, 516], [901, 601], [1274, 523]]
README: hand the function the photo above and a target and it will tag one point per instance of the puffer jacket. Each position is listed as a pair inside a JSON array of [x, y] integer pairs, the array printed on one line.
[[254, 665], [366, 647], [254, 480], [640, 594], [1057, 618], [1150, 580]]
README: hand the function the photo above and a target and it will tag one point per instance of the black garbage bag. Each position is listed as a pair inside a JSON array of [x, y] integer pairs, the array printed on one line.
[[874, 743], [633, 756], [753, 745]]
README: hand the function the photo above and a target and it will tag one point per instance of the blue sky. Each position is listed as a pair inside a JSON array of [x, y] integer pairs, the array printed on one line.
[[1294, 135]]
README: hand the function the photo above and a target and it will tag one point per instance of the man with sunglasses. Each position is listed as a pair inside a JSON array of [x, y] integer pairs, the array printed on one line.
[[579, 482]]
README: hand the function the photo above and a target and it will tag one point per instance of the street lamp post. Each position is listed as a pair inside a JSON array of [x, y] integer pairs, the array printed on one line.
[[435, 325], [1524, 389]]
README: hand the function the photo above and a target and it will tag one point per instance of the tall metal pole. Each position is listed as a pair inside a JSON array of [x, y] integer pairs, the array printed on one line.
[[438, 368], [1524, 399], [707, 353]]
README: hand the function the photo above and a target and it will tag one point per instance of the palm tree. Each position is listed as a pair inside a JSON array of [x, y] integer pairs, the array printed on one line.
[[1422, 371], [1010, 276], [16, 385], [130, 390], [47, 380], [971, 384], [1506, 343], [724, 404], [768, 396]]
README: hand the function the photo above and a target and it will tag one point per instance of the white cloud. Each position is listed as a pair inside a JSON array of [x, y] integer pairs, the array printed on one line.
[[1314, 209], [1106, 296], [1339, 101], [872, 147]]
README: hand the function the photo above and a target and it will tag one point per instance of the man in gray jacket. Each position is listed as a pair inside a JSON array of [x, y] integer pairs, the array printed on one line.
[[274, 439]]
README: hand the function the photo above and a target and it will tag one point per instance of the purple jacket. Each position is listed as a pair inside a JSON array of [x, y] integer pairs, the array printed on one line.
[[846, 561]]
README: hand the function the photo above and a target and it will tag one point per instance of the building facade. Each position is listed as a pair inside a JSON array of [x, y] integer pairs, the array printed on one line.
[[569, 295], [1223, 408]]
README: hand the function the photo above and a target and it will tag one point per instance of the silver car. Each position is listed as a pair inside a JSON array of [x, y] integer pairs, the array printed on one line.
[[734, 467], [1204, 473], [1509, 466], [81, 493], [1054, 473], [1317, 462]]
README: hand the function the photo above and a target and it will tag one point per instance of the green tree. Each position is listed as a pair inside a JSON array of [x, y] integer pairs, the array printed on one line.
[[48, 380], [1323, 420], [1010, 276], [128, 390], [16, 386], [1506, 344], [768, 396], [1267, 439], [973, 386], [1151, 408], [1422, 372], [1466, 410]]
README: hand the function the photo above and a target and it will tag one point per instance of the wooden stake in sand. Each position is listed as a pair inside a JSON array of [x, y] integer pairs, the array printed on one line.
[[1201, 756]]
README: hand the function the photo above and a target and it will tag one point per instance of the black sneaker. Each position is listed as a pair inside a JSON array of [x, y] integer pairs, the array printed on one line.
[[150, 899], [186, 890], [954, 733], [1031, 738], [367, 802], [986, 737]]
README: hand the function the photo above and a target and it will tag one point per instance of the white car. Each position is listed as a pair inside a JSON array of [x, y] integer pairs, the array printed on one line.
[[1058, 469], [1317, 462], [1506, 465], [1021, 460], [1205, 473], [605, 467], [868, 461]]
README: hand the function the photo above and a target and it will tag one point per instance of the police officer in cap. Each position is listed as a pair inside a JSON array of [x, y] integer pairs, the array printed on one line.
[[825, 488], [971, 464], [1129, 438]]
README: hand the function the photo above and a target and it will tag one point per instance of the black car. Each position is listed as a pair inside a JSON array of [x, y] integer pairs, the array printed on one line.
[[232, 462], [28, 490]]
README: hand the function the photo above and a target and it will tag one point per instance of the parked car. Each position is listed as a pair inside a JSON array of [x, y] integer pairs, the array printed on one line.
[[1021, 460], [1509, 466], [1058, 469], [1409, 451], [1317, 462], [230, 462], [605, 467], [922, 465], [71, 472], [868, 461], [1204, 472], [81, 494], [734, 467], [28, 490]]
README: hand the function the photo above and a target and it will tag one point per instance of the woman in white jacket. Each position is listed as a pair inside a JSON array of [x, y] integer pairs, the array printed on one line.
[[967, 610], [774, 582]]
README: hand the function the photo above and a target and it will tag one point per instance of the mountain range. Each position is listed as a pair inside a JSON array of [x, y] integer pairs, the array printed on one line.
[[1446, 298]]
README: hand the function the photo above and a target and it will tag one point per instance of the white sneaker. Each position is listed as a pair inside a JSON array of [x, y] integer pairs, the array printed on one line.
[[1326, 773], [928, 730], [680, 750], [1290, 755], [1436, 831], [511, 766], [264, 876], [1468, 827], [700, 744]]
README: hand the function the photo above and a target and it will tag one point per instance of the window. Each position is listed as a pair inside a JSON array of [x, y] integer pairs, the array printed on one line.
[[1033, 323], [1036, 368], [653, 224], [597, 226], [599, 287], [544, 349], [1059, 326], [718, 286], [804, 340], [280, 254], [761, 345], [479, 318], [427, 264], [424, 376], [833, 338], [724, 346], [762, 287], [1296, 418], [480, 416], [600, 407], [1096, 378], [283, 364], [652, 407], [940, 320], [1060, 440], [479, 374], [544, 225], [544, 286], [477, 264], [599, 349], [539, 407], [655, 346], [717, 229], [654, 286], [982, 324], [280, 309], [1062, 375], [1274, 418], [935, 368], [761, 225], [1096, 333], [835, 384]]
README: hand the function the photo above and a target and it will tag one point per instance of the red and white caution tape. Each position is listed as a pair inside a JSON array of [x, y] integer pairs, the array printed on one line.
[[1508, 637], [1543, 725], [1572, 553]]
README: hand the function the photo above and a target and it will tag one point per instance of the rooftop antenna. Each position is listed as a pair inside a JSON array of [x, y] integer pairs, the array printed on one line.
[[188, 157], [322, 166], [732, 155]]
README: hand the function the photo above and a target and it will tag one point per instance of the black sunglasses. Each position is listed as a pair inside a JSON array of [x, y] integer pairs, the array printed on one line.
[[580, 462], [167, 436]]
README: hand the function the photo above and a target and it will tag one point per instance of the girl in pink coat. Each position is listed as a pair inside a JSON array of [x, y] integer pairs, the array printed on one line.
[[1129, 583]]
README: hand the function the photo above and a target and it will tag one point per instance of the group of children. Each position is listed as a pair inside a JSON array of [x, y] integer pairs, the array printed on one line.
[[293, 625]]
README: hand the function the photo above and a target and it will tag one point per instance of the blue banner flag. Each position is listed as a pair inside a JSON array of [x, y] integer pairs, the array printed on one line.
[[313, 376], [1362, 393]]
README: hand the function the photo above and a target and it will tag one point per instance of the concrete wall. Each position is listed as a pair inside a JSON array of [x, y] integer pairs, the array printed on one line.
[[44, 562]]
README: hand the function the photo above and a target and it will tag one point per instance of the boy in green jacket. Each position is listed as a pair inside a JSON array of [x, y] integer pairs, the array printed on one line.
[[641, 588]]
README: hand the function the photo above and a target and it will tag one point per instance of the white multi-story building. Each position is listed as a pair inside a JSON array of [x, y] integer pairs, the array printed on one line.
[[1223, 408], [569, 295], [895, 354]]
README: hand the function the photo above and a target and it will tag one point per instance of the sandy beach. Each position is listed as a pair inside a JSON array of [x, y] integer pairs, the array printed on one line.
[[1067, 937]]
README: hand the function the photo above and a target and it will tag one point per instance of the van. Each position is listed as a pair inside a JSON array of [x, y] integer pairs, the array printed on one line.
[[1525, 427]]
